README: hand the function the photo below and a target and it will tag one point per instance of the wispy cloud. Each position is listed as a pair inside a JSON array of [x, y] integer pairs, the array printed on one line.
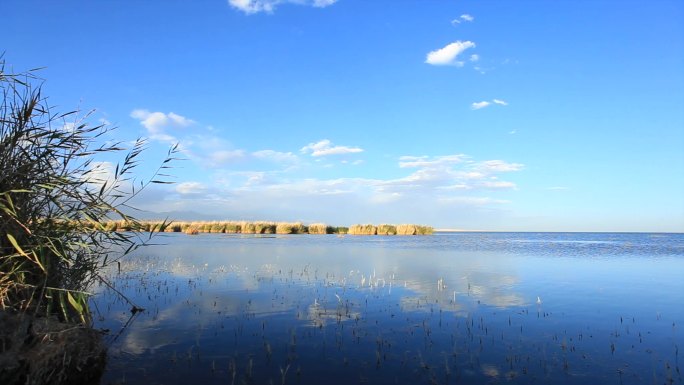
[[323, 3], [448, 55], [275, 156], [278, 184], [479, 105], [472, 201], [499, 166], [203, 145], [268, 6], [426, 161], [186, 188], [436, 186], [325, 147], [465, 17], [442, 175], [484, 103], [498, 184], [222, 157]]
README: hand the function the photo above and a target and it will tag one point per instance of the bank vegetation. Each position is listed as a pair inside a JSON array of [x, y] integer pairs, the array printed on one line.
[[266, 227]]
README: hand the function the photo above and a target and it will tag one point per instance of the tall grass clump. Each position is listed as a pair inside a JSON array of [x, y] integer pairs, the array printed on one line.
[[425, 230], [406, 230], [290, 228], [173, 228], [55, 200], [265, 228], [318, 228], [192, 230], [414, 230], [247, 228], [233, 228], [362, 230], [387, 230], [217, 227]]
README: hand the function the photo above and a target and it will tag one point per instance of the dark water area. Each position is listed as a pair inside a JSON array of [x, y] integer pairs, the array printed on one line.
[[451, 308]]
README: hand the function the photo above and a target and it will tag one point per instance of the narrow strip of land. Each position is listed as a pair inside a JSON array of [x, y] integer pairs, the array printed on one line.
[[266, 227]]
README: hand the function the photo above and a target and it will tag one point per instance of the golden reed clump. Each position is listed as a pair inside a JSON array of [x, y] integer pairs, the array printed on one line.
[[318, 228], [362, 230], [266, 227]]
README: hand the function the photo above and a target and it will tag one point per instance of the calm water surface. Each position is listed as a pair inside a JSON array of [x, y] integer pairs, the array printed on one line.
[[460, 308]]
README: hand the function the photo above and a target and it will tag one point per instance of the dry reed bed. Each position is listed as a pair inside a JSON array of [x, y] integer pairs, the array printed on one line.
[[266, 227]]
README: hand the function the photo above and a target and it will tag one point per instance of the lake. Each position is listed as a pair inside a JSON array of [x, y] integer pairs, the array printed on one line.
[[450, 308]]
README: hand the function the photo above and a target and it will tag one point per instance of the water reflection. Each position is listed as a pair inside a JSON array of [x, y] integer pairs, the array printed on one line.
[[440, 309]]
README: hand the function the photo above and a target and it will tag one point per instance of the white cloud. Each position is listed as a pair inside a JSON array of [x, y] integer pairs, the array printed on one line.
[[499, 166], [449, 54], [472, 201], [325, 147], [496, 184], [465, 17], [276, 156], [424, 161], [474, 57], [268, 6], [253, 6], [442, 175], [479, 105], [472, 175], [157, 123], [221, 157], [484, 103], [190, 188], [323, 3]]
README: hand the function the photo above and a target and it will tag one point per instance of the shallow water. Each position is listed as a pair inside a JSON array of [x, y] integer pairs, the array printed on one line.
[[476, 308]]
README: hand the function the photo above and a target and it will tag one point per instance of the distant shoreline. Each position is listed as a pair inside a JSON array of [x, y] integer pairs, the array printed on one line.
[[265, 227]]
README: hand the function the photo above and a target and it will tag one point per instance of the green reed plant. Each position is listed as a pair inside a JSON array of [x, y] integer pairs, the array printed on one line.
[[55, 200]]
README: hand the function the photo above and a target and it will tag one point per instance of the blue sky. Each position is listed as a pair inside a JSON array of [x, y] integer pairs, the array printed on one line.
[[520, 115]]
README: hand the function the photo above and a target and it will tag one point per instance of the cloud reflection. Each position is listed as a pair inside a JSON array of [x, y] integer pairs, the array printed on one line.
[[190, 286]]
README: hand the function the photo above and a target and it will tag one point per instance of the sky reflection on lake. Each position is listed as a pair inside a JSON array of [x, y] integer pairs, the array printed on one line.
[[441, 309]]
